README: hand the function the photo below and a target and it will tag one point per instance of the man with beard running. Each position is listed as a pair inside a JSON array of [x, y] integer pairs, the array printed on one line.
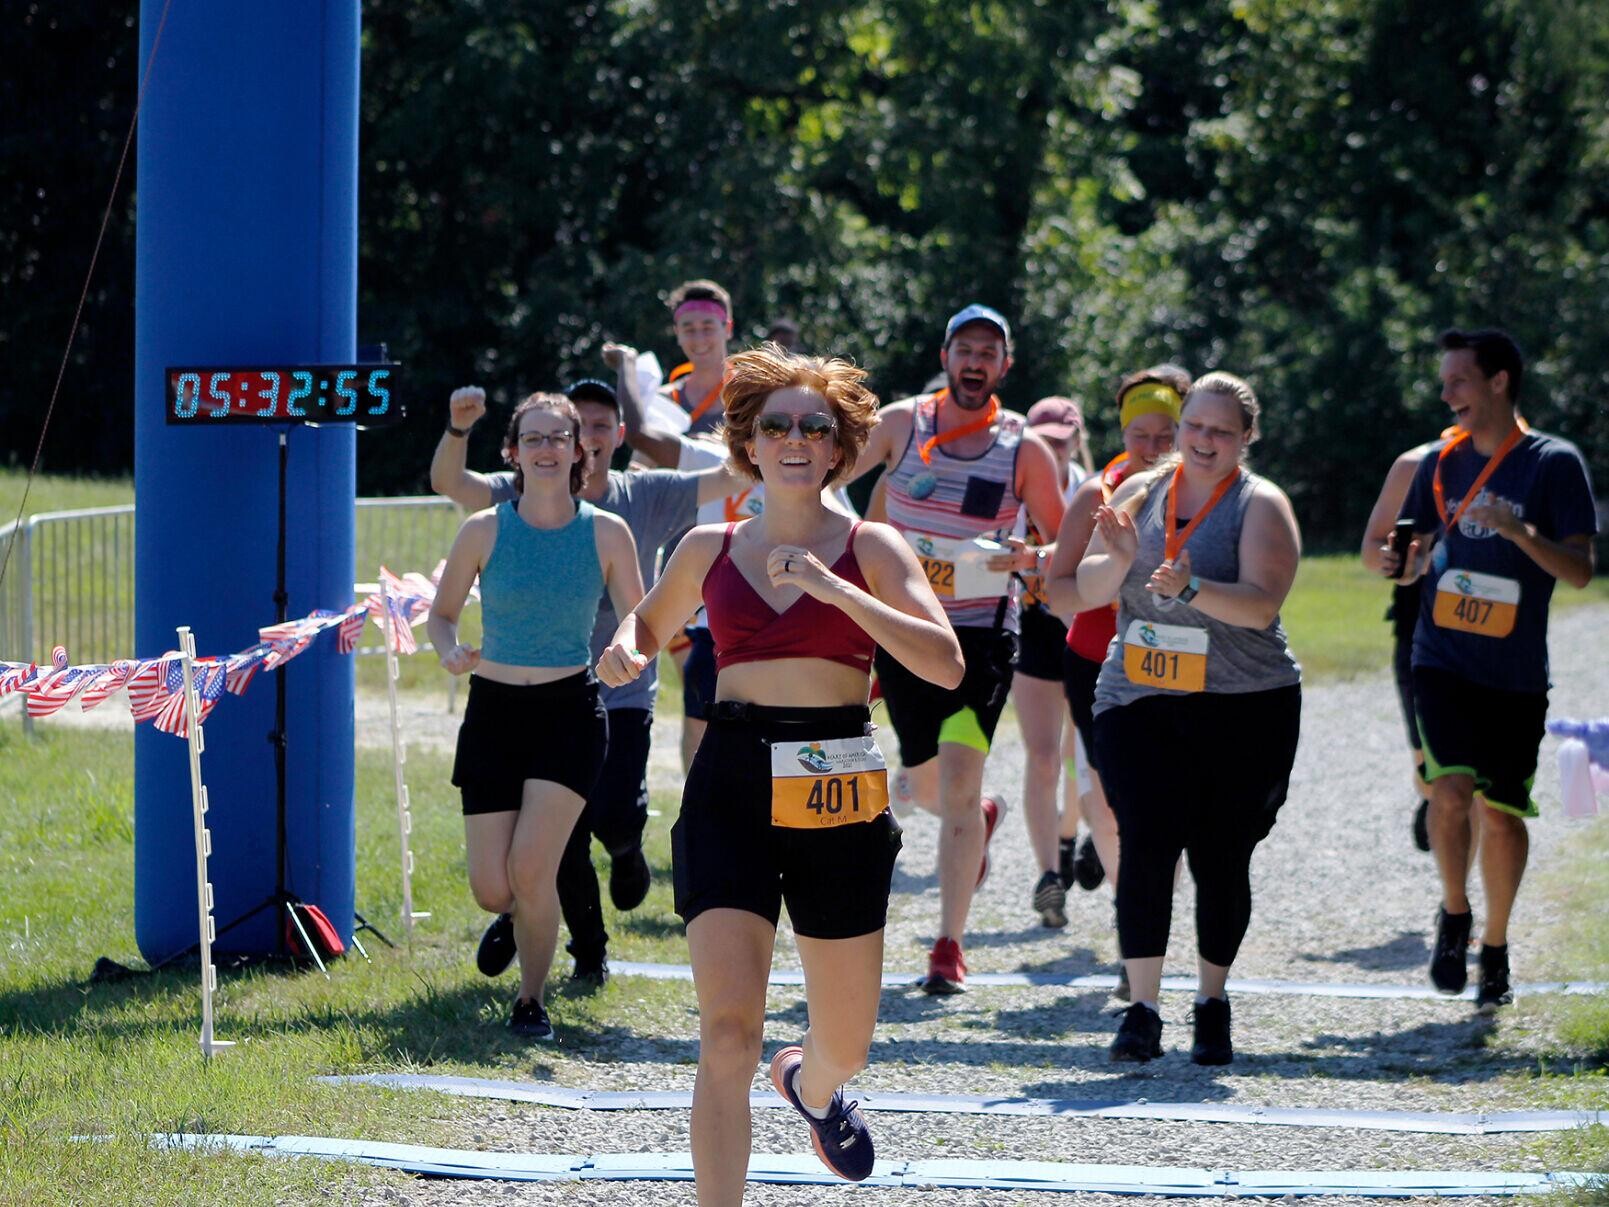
[[959, 469]]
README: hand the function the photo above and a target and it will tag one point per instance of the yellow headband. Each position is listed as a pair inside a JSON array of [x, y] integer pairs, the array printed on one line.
[[1149, 398]]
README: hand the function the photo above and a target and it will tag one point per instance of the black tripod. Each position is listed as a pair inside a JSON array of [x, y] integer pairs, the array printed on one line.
[[282, 897]]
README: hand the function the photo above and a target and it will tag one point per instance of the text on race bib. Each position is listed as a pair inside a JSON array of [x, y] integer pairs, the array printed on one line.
[[1171, 656], [826, 783], [1484, 604], [957, 568]]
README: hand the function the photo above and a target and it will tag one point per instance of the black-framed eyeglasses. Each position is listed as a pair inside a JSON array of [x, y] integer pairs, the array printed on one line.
[[815, 427], [538, 439]]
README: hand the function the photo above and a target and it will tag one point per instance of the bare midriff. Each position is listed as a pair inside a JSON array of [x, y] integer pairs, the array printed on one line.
[[794, 683], [524, 676]]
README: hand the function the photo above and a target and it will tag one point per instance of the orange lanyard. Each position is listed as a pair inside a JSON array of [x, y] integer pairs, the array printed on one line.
[[1112, 477], [734, 506], [706, 404], [1173, 544], [1503, 450], [966, 429]]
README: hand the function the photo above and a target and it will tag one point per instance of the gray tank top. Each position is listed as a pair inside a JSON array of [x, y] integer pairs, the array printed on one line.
[[1159, 641]]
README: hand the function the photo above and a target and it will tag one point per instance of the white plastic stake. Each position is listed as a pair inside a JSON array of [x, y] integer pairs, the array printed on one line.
[[398, 757], [198, 807]]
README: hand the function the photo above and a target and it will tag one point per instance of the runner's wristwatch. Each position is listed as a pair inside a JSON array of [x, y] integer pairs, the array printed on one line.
[[1190, 591]]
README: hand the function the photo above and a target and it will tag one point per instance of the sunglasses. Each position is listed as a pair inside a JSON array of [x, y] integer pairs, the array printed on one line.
[[815, 427]]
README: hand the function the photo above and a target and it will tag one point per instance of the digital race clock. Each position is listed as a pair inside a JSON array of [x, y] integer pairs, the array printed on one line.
[[360, 394]]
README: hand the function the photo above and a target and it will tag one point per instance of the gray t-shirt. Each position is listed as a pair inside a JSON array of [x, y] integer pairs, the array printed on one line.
[[1167, 635], [657, 504]]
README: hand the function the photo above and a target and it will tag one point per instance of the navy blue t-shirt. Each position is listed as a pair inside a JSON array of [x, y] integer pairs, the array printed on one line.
[[1543, 480]]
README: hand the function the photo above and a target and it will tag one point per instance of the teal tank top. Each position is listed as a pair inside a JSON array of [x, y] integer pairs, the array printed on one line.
[[539, 591]]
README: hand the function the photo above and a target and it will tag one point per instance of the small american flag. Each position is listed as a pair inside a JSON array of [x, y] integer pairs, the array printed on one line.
[[351, 627], [15, 676], [288, 639], [242, 668], [108, 681], [209, 676], [148, 685], [52, 690]]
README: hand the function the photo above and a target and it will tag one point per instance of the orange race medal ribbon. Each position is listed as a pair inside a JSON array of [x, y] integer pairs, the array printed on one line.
[[1503, 450], [1173, 543]]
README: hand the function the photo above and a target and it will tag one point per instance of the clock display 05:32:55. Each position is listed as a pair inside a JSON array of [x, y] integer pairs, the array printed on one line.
[[361, 394]]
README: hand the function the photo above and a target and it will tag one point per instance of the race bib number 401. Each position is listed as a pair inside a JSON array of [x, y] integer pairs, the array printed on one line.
[[1173, 656], [1476, 603], [822, 784]]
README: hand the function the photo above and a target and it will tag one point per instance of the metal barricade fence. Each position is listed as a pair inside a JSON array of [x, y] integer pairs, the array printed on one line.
[[70, 580]]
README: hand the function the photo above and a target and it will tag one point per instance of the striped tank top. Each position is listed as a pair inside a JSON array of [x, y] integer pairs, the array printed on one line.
[[939, 507]]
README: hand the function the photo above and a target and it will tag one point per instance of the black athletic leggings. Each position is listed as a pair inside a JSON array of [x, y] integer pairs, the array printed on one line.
[[1204, 774], [615, 813]]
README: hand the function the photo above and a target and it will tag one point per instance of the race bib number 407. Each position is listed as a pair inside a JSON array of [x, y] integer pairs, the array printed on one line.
[[1476, 603], [1173, 656], [832, 782]]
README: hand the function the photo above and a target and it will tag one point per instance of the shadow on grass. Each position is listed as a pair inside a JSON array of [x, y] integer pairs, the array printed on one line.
[[652, 926], [1408, 950], [463, 1025]]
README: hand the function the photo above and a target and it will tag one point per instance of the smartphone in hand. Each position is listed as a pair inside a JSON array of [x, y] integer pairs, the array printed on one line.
[[1401, 538]]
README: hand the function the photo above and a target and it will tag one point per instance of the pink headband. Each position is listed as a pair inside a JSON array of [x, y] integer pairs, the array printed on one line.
[[699, 306]]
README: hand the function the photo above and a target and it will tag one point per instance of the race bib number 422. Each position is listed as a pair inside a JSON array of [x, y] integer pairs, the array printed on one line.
[[1173, 656], [832, 782], [1476, 603]]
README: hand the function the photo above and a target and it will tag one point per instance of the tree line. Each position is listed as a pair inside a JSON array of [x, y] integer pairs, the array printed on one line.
[[1300, 192]]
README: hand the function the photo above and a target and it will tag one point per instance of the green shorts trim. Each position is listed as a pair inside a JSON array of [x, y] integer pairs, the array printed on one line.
[[1433, 770], [964, 729]]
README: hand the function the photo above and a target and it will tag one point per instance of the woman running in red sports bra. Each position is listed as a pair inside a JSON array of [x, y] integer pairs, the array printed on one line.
[[787, 798]]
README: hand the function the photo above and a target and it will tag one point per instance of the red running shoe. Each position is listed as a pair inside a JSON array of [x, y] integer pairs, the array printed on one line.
[[994, 808], [946, 969]]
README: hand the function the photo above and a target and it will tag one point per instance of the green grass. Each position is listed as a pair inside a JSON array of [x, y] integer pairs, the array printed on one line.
[[121, 1059], [58, 492], [1579, 892]]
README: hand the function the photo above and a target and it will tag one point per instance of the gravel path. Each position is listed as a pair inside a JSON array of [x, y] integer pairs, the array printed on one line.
[[1340, 894]]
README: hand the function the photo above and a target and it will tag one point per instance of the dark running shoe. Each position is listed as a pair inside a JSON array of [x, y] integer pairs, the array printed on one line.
[[1449, 962], [629, 879], [1067, 848], [1140, 1035], [946, 969], [1087, 868], [1050, 900], [529, 1020], [1421, 824], [497, 950], [1495, 990], [842, 1139], [590, 973], [1212, 1046]]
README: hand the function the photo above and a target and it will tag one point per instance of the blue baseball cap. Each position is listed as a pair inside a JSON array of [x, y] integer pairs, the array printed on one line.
[[978, 313]]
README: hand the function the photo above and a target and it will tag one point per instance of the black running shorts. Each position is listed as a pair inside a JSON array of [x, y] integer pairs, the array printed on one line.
[[919, 710], [1483, 732], [556, 732], [726, 854], [1042, 641], [1078, 680], [698, 675]]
